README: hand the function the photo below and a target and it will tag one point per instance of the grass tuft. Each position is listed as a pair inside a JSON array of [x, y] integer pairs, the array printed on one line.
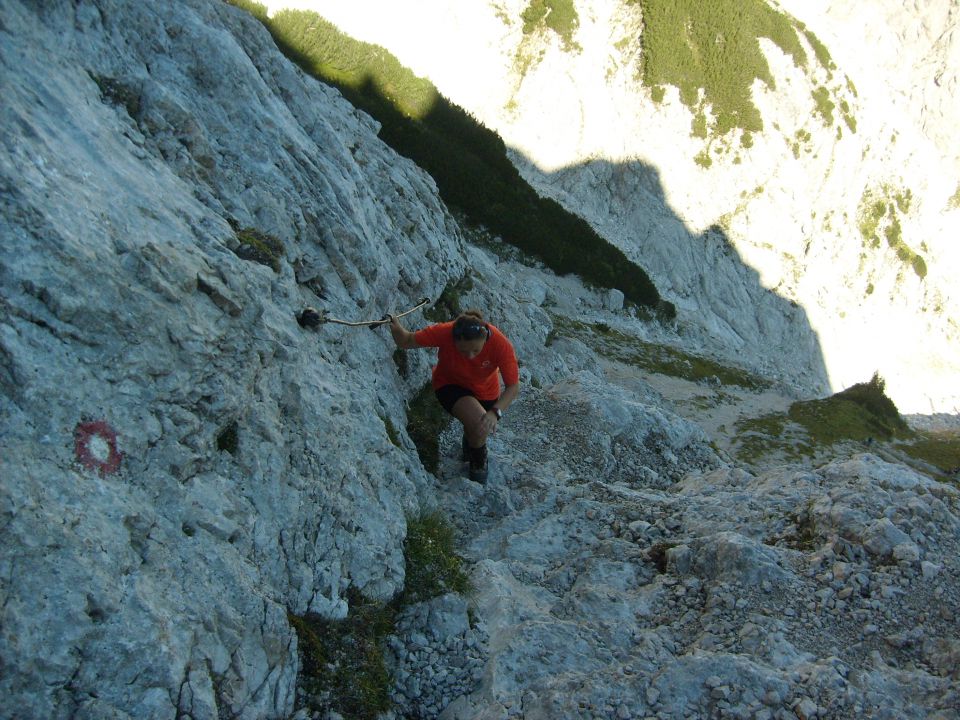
[[940, 449], [259, 247], [433, 567], [343, 665], [879, 215], [425, 421], [651, 357]]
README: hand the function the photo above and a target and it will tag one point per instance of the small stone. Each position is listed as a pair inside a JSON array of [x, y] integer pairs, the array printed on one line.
[[771, 698], [906, 552], [806, 709], [929, 570], [720, 693]]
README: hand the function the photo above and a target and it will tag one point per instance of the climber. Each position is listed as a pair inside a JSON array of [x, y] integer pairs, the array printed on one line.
[[466, 380]]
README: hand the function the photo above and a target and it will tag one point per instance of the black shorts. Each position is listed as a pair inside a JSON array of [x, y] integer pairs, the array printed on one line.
[[449, 394]]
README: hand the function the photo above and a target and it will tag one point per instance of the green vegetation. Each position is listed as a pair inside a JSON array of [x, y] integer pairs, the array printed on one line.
[[801, 142], [710, 50], [401, 363], [468, 161], [940, 449], [433, 567], [651, 357], [699, 125], [954, 202], [879, 214], [343, 666], [259, 247], [449, 304], [119, 93], [391, 431], [712, 46], [560, 16], [823, 105], [861, 413], [848, 117], [820, 50], [425, 421]]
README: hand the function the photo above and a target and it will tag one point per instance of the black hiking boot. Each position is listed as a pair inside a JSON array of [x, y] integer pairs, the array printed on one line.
[[464, 449], [478, 464]]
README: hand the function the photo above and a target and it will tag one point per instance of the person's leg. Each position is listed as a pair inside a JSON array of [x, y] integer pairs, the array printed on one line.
[[470, 412]]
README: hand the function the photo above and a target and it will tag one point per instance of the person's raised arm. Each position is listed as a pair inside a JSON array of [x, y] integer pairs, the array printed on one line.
[[510, 393], [401, 336]]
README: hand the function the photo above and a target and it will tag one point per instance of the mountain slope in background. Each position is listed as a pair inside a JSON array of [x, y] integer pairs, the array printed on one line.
[[845, 203]]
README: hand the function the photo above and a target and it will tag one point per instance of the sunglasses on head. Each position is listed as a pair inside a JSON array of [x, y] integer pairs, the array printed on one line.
[[471, 331]]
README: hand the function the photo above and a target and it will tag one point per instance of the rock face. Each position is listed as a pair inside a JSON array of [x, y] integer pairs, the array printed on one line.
[[608, 591], [182, 465], [235, 467], [762, 251]]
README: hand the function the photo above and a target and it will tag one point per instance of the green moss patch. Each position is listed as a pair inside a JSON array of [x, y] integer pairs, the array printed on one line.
[[343, 664], [259, 247], [879, 220], [651, 357], [426, 419]]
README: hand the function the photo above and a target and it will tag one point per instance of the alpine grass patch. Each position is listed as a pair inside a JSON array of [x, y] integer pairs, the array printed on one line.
[[344, 666], [259, 247], [879, 220], [652, 357], [862, 413], [425, 421], [560, 16]]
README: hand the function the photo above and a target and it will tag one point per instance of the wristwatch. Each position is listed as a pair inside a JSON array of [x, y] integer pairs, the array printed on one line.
[[498, 412]]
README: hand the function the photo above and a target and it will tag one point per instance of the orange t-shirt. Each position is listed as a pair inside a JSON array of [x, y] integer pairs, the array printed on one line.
[[478, 375]]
